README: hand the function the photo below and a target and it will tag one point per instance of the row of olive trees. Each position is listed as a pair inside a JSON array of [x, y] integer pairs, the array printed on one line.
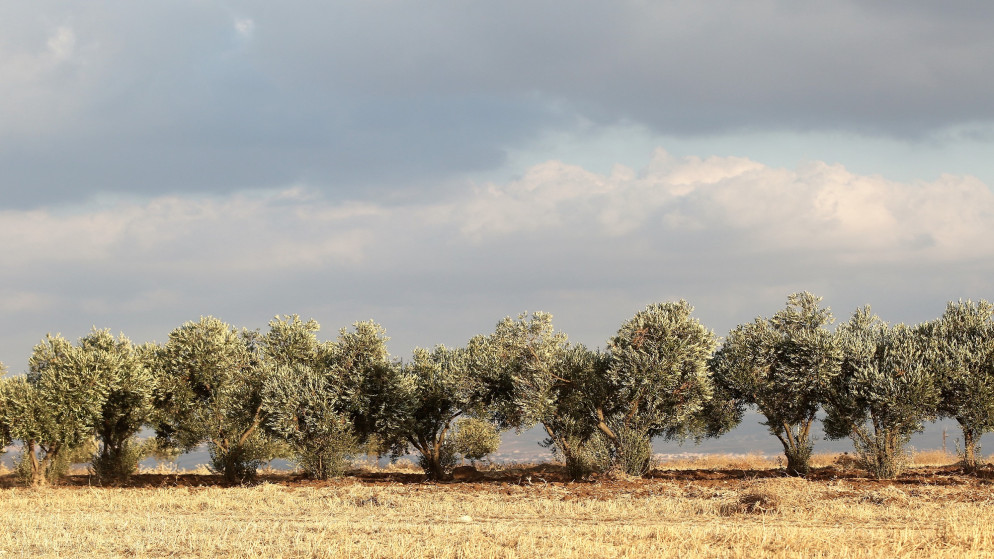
[[99, 388], [252, 396], [601, 410], [876, 383], [661, 376], [248, 396]]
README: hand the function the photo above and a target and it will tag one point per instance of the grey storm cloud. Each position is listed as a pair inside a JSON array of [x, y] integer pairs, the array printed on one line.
[[358, 98]]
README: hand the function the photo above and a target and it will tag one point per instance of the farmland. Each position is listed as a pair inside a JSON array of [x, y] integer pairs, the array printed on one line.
[[721, 508]]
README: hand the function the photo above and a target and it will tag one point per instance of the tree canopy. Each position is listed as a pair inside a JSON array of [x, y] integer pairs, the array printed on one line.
[[884, 392], [784, 366], [657, 382], [962, 355], [210, 390], [55, 408]]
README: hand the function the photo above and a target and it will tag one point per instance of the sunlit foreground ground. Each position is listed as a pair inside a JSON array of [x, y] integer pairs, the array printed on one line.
[[726, 513]]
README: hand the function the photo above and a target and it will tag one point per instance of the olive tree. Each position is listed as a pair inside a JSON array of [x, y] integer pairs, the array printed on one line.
[[439, 389], [291, 341], [516, 366], [475, 439], [657, 383], [302, 403], [328, 400], [571, 422], [375, 397], [529, 374], [127, 405], [305, 411], [883, 394], [962, 344], [210, 390], [54, 408], [32, 422], [783, 366]]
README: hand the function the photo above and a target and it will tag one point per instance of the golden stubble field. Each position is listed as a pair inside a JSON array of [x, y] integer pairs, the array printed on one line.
[[716, 512]]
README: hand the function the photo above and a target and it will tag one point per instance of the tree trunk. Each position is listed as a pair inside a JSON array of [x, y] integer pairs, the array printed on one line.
[[796, 448], [797, 463], [38, 477], [430, 449], [116, 461], [885, 453], [620, 440], [40, 468], [969, 449], [602, 425], [236, 468], [232, 461], [632, 451], [431, 460], [433, 467]]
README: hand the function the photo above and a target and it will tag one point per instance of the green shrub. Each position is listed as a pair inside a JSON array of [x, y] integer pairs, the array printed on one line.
[[334, 458], [116, 467], [587, 457], [475, 439], [25, 474], [238, 463], [633, 453], [883, 457]]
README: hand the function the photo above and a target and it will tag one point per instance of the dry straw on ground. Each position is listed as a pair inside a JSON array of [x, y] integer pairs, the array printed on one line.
[[699, 513], [764, 462], [764, 518]]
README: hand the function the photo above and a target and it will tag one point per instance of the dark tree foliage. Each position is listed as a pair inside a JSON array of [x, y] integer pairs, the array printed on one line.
[[373, 385], [248, 394], [571, 421], [516, 368], [5, 419], [303, 404], [127, 406], [529, 374], [304, 410]]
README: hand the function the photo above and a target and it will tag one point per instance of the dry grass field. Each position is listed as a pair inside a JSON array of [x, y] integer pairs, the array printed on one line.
[[723, 509]]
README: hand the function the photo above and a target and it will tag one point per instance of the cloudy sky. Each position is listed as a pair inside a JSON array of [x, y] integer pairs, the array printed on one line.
[[439, 165]]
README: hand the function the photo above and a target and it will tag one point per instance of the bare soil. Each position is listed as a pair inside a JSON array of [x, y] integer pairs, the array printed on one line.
[[469, 479]]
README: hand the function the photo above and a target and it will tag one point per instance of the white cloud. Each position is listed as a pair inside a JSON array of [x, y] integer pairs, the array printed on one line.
[[44, 87], [245, 27], [349, 100], [759, 209], [62, 44], [237, 233], [817, 206]]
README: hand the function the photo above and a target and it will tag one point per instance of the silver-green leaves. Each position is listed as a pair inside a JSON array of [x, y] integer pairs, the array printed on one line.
[[784, 366], [884, 393]]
